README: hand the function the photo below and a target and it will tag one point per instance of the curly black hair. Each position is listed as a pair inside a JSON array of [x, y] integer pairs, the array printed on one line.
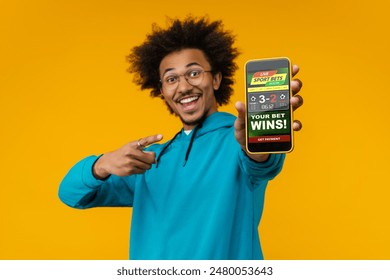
[[197, 33]]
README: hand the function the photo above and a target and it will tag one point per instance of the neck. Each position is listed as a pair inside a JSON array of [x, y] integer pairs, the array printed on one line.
[[193, 124]]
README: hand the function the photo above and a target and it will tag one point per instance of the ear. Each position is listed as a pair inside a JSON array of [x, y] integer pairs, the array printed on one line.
[[162, 94], [217, 78]]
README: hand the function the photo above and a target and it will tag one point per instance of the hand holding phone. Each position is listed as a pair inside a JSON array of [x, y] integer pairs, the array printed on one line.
[[268, 110]]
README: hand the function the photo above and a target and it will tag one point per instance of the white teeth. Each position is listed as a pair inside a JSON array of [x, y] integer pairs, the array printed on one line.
[[188, 100]]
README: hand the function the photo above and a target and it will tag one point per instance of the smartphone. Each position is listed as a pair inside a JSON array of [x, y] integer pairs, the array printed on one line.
[[268, 110]]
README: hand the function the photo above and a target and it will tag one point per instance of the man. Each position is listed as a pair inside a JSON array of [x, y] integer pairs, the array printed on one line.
[[200, 195]]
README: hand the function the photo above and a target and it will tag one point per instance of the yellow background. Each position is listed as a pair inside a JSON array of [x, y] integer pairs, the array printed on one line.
[[65, 94]]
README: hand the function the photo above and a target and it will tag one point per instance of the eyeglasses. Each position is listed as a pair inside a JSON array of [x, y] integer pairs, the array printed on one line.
[[193, 76]]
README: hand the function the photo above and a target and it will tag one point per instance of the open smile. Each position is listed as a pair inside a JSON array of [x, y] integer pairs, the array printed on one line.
[[188, 103], [187, 100]]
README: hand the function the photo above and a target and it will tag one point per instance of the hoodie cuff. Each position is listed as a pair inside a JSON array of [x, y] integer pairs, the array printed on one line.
[[87, 174], [262, 170]]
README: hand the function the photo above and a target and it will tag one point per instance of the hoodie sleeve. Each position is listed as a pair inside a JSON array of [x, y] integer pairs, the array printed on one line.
[[258, 172], [80, 189]]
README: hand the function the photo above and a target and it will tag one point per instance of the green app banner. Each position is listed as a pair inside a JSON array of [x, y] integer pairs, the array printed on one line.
[[268, 123]]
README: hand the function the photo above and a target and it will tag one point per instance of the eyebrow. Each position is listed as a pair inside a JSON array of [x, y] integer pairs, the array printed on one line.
[[187, 66]]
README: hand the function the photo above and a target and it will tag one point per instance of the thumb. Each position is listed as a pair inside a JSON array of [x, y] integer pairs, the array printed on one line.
[[240, 107], [239, 124]]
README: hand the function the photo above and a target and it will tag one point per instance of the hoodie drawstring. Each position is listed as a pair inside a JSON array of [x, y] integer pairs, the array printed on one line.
[[190, 145], [166, 147], [188, 149]]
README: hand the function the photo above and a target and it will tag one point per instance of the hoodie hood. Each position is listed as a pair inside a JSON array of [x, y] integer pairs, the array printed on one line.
[[213, 122]]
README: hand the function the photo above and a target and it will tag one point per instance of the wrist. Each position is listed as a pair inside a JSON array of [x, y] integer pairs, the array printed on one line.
[[98, 170], [256, 157]]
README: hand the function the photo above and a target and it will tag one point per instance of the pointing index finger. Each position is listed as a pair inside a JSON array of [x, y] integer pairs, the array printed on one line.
[[146, 141]]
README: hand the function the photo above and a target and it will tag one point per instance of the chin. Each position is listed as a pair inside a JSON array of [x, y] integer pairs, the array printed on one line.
[[192, 121]]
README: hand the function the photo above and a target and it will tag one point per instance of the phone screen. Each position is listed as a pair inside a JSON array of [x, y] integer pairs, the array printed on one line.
[[269, 114]]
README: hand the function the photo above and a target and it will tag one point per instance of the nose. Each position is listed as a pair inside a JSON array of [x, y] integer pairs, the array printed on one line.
[[183, 85]]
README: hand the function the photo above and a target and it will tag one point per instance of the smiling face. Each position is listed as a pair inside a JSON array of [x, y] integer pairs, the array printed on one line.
[[191, 103]]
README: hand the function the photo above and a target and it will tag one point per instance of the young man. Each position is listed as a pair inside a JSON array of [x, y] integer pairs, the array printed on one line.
[[200, 195]]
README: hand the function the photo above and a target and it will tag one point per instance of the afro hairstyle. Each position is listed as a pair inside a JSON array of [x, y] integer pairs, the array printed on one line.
[[190, 33]]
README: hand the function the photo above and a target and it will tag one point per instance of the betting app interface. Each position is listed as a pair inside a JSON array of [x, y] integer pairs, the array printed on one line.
[[268, 101]]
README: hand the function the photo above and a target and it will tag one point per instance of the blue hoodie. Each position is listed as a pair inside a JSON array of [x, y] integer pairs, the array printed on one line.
[[203, 200]]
